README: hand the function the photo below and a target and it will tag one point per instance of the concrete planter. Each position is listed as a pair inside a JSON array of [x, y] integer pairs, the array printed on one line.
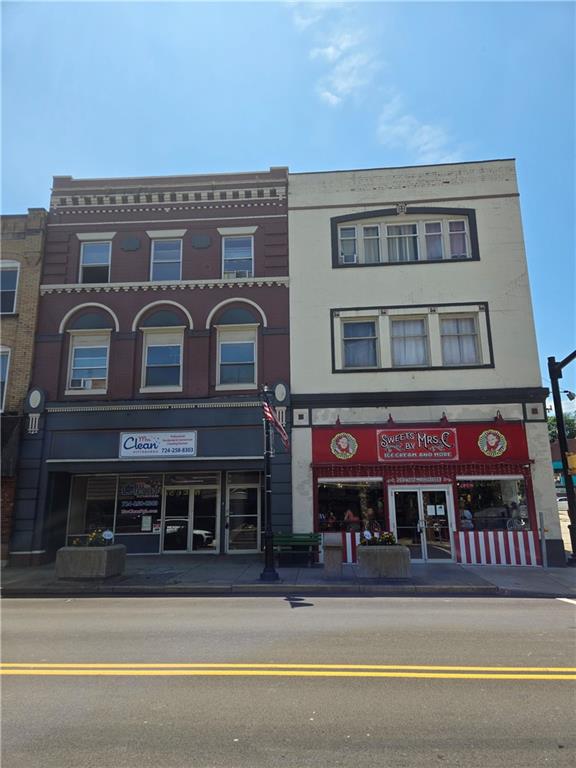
[[90, 562], [391, 562]]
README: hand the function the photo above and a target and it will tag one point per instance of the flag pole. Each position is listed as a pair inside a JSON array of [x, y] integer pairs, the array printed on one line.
[[269, 573]]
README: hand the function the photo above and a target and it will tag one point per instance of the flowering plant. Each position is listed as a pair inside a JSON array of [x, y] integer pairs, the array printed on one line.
[[95, 538], [377, 539]]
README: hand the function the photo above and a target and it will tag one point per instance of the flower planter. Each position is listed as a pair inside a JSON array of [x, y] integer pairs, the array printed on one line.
[[383, 562], [90, 562]]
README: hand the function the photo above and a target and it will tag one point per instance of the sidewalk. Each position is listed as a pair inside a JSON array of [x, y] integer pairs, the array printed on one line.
[[188, 575]]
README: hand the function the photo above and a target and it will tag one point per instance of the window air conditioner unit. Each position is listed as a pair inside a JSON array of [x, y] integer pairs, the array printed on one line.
[[81, 384], [237, 273], [349, 258]]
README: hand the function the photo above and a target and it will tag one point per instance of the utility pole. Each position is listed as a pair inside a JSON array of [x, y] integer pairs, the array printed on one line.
[[555, 371]]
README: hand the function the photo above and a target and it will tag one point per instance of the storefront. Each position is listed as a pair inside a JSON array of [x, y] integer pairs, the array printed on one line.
[[455, 492], [160, 478], [183, 512]]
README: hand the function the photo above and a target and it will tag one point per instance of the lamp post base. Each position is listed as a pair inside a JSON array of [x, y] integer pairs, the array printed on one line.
[[269, 574]]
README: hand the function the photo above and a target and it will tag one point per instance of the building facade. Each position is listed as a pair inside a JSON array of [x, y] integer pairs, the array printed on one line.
[[163, 310], [417, 399], [20, 268]]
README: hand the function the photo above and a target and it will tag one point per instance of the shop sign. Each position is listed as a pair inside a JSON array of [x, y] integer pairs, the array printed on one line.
[[167, 445], [424, 443]]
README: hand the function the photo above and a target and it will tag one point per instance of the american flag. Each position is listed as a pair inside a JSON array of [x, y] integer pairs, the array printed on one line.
[[270, 416]]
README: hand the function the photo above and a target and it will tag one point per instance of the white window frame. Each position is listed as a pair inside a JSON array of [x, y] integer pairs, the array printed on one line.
[[432, 315], [237, 334], [7, 266], [87, 338], [411, 318], [348, 259], [162, 337], [376, 337], [8, 352], [83, 244], [474, 316], [152, 247], [421, 239], [237, 276]]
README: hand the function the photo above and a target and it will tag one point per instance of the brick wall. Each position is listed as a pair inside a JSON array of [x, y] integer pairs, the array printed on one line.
[[22, 242]]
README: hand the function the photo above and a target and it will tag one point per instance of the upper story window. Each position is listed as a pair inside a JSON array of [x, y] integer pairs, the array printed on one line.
[[419, 235], [4, 366], [9, 273], [460, 342], [89, 330], [166, 260], [359, 340], [95, 262], [406, 338], [237, 257], [162, 360], [409, 342], [237, 357], [88, 369]]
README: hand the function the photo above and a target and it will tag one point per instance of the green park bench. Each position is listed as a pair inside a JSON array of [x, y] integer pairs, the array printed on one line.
[[296, 548]]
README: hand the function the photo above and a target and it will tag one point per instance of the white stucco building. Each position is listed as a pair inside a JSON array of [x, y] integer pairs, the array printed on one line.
[[418, 405]]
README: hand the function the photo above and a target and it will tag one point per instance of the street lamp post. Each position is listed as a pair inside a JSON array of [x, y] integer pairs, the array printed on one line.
[[269, 572], [555, 371]]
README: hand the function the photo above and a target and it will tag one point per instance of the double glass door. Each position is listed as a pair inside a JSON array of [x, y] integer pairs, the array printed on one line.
[[422, 519], [190, 519]]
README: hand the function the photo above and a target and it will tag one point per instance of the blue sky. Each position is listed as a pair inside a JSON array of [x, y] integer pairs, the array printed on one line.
[[138, 88]]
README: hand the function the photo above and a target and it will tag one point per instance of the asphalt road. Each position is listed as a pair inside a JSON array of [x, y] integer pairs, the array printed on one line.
[[426, 692]]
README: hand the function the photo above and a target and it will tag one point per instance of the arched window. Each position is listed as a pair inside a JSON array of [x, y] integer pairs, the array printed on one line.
[[162, 330], [89, 330], [237, 347]]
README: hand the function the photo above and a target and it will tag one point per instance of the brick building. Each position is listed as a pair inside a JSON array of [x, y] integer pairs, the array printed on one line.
[[163, 310], [20, 269]]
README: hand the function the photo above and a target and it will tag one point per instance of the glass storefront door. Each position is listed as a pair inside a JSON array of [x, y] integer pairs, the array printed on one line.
[[190, 520], [422, 519], [243, 513]]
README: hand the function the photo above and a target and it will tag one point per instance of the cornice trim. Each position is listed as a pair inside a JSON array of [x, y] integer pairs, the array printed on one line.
[[172, 406], [181, 285]]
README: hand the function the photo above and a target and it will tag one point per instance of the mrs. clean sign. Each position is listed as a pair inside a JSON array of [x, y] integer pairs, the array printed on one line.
[[147, 445]]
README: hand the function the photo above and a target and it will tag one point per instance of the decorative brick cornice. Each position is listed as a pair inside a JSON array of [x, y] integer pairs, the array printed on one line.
[[163, 406], [182, 285]]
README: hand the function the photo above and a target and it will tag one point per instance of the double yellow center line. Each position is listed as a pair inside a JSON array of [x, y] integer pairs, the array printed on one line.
[[205, 669]]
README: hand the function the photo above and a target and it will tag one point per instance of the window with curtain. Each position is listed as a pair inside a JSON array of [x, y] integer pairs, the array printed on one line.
[[372, 244], [360, 340], [402, 242], [409, 342], [166, 260], [237, 257], [95, 262], [433, 234], [459, 341], [458, 245]]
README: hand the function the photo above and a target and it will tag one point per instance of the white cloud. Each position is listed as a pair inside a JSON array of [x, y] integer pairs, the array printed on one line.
[[306, 15], [336, 47], [397, 128], [351, 75]]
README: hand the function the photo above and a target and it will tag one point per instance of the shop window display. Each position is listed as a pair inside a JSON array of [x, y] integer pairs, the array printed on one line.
[[487, 505], [139, 504], [92, 504], [351, 506]]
